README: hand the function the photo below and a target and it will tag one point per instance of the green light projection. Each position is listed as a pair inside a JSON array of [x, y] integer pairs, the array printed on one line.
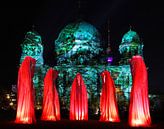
[[32, 46], [130, 45], [77, 44]]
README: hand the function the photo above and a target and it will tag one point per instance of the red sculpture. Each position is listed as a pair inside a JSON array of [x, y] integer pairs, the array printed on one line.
[[25, 97], [139, 114], [78, 99], [51, 107], [108, 103]]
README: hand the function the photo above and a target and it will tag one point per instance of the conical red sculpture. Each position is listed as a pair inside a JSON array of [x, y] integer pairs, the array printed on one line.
[[78, 99], [139, 114], [25, 97], [108, 103], [51, 108]]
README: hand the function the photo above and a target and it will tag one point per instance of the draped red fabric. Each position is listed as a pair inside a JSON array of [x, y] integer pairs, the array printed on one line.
[[139, 114], [108, 103], [51, 107], [25, 94], [78, 99]]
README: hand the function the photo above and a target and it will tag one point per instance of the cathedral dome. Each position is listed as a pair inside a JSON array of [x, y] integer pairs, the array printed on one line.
[[130, 41], [32, 46], [130, 45], [129, 37], [33, 36], [77, 39]]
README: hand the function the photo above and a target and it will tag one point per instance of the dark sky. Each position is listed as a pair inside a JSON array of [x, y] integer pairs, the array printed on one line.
[[49, 17]]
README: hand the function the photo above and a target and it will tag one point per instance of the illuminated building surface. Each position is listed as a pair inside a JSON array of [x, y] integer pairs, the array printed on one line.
[[79, 49]]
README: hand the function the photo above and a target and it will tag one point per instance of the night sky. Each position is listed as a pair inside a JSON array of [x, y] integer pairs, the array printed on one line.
[[49, 17]]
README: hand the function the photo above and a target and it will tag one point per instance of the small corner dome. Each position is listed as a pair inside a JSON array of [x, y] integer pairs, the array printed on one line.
[[131, 43], [34, 36], [130, 36]]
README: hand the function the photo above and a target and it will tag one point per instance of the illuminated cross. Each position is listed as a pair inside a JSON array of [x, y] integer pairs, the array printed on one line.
[[33, 27], [130, 27], [79, 4], [108, 34]]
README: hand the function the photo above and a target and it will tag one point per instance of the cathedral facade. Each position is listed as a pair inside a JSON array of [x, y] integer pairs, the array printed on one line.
[[78, 49]]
